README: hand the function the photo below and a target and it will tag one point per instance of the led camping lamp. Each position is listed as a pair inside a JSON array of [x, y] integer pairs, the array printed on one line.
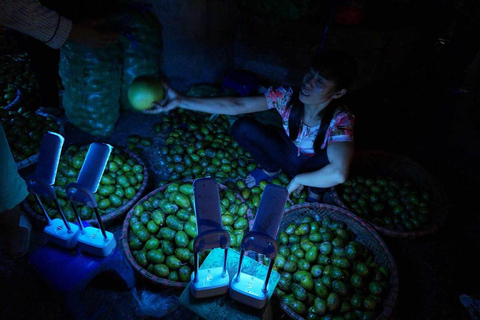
[[58, 231], [92, 240], [212, 281], [247, 288]]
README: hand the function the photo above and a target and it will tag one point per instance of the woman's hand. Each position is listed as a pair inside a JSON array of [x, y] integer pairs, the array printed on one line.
[[170, 101], [294, 186]]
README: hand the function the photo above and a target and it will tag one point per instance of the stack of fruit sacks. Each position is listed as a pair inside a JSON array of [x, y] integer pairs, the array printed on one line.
[[92, 81]]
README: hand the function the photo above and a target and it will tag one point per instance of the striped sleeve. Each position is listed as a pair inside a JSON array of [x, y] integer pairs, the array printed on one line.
[[33, 19]]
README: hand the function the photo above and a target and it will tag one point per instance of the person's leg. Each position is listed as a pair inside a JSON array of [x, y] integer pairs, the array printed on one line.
[[269, 146], [13, 190], [15, 228], [314, 163]]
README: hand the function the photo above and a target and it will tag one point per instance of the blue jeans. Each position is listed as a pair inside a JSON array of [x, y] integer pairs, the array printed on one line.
[[272, 149]]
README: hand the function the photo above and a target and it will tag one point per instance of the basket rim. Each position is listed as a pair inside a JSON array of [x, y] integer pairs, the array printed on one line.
[[114, 214], [126, 247], [389, 301], [125, 232], [434, 225], [17, 99]]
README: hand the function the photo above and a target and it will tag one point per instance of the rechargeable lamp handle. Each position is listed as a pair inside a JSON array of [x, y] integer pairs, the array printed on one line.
[[199, 244], [261, 243]]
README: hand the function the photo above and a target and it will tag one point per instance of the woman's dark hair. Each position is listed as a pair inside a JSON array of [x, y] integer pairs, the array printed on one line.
[[336, 66]]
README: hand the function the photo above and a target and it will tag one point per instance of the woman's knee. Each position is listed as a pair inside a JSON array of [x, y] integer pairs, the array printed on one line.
[[242, 126]]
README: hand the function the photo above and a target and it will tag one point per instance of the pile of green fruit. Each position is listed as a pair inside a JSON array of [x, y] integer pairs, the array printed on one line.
[[252, 196], [25, 132], [326, 272], [120, 183], [390, 203], [8, 94], [163, 227], [161, 233], [198, 146], [16, 69], [201, 147], [235, 216], [137, 144]]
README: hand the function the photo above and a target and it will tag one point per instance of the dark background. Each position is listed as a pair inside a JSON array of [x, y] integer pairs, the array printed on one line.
[[413, 59]]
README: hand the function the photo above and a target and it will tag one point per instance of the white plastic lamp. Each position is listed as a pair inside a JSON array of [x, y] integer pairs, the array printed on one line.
[[247, 288], [212, 281], [58, 231], [95, 241]]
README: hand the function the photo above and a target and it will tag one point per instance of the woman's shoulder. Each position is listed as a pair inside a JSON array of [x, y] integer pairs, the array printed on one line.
[[343, 111], [278, 92], [278, 97], [343, 117]]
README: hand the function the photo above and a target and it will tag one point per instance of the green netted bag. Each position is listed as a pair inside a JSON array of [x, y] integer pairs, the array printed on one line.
[[92, 84], [141, 50]]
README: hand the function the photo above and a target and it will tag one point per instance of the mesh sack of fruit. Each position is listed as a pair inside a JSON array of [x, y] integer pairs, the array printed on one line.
[[92, 82], [141, 50]]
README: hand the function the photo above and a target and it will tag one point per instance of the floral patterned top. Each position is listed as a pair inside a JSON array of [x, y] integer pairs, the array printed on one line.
[[339, 130]]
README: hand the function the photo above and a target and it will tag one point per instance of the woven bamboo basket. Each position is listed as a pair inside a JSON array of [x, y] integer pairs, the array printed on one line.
[[106, 218], [364, 234], [376, 162], [126, 248], [34, 158]]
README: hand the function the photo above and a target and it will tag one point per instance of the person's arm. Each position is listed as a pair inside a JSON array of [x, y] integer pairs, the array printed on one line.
[[225, 105], [340, 155], [31, 18], [216, 105]]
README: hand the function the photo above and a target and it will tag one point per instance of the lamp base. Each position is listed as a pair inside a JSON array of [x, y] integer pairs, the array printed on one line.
[[210, 282], [249, 290], [92, 241], [58, 234]]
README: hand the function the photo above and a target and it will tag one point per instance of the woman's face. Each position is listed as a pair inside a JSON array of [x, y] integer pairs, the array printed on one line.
[[316, 89]]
